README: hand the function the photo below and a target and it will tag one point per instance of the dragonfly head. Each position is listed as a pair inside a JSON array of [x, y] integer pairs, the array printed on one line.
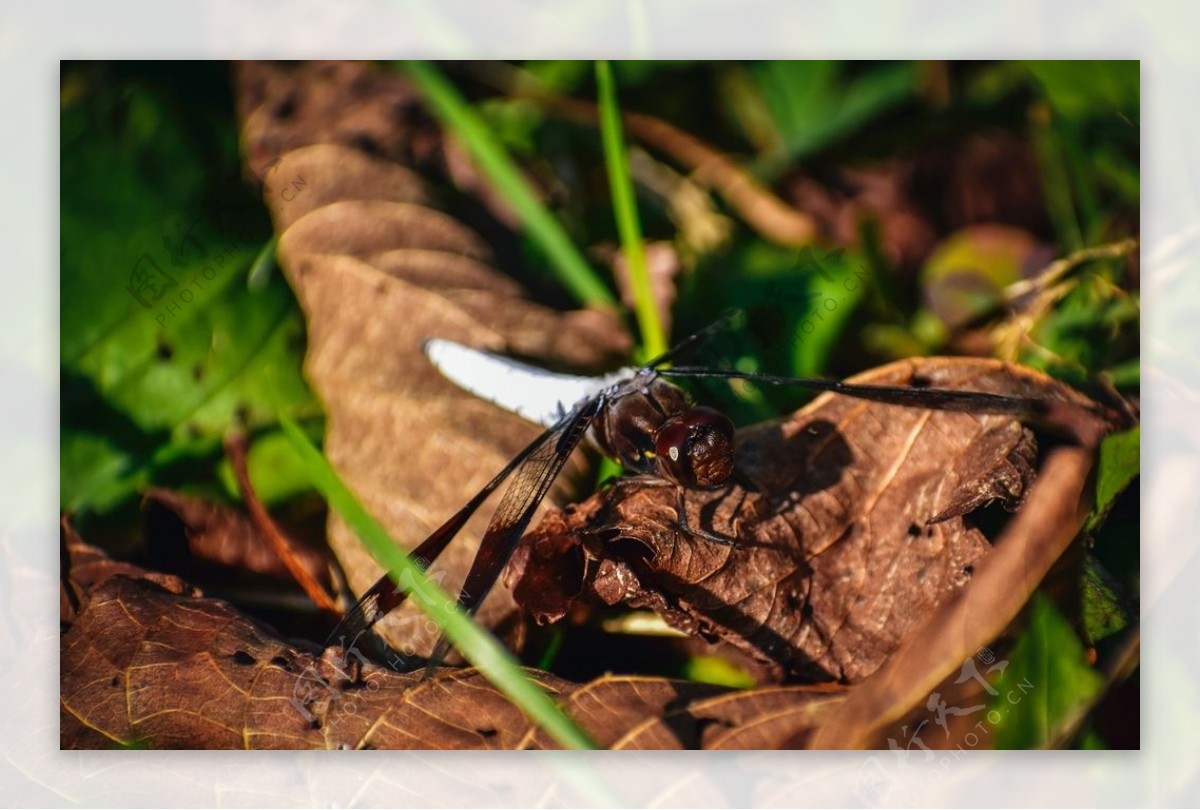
[[695, 449]]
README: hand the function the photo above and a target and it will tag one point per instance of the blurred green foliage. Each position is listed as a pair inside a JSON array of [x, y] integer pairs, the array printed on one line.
[[814, 103], [1046, 685], [163, 347]]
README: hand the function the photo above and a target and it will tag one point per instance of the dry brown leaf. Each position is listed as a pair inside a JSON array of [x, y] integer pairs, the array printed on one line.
[[283, 107], [769, 718], [970, 619], [83, 567], [839, 561], [182, 529], [377, 271], [143, 665], [851, 522]]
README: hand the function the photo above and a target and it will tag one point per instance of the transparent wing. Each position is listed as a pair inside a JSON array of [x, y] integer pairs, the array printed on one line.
[[516, 509], [690, 343], [942, 399], [385, 595]]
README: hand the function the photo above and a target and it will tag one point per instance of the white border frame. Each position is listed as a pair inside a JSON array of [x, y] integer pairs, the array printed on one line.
[[33, 37]]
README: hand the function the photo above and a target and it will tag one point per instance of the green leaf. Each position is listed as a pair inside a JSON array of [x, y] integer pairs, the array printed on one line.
[[1051, 147], [1094, 327], [814, 104], [1079, 89], [561, 76], [716, 670], [1106, 605], [1119, 464], [797, 305], [275, 467], [1045, 685], [1107, 608], [514, 122], [475, 643], [1126, 374], [163, 348], [1086, 139], [966, 274], [264, 264], [837, 282]]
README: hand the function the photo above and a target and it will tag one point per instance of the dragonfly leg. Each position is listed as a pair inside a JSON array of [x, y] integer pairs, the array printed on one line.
[[703, 534], [680, 507]]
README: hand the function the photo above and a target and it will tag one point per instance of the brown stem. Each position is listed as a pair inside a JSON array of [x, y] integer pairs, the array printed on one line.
[[235, 448]]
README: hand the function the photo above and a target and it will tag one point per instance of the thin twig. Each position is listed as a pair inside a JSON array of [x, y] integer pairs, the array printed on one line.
[[1047, 289], [235, 448], [1058, 268]]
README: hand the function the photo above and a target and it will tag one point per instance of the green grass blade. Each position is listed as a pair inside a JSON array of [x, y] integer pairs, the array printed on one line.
[[264, 264], [616, 160], [572, 269], [475, 643]]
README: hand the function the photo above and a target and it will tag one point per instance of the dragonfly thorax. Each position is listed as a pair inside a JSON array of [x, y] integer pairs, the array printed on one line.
[[650, 426]]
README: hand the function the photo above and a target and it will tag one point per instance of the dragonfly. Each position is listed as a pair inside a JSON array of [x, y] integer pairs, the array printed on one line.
[[638, 417]]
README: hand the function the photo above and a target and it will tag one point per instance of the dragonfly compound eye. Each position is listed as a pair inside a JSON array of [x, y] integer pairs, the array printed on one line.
[[695, 449]]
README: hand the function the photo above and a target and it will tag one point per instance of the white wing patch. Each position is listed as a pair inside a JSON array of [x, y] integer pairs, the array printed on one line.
[[532, 393]]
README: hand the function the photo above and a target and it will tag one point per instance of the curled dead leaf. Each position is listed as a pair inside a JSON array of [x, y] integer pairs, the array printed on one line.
[[378, 270]]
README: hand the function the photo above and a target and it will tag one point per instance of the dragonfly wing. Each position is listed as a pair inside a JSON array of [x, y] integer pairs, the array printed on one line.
[[516, 510], [385, 595], [532, 393], [689, 343], [942, 399]]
